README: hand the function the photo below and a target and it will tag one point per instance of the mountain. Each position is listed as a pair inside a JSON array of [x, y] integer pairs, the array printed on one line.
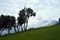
[[49, 23]]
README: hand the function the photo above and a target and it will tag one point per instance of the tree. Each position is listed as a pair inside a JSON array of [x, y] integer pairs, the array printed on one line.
[[13, 22], [6, 22], [24, 15], [59, 19]]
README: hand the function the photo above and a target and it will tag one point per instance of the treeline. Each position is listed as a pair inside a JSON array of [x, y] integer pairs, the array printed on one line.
[[7, 21]]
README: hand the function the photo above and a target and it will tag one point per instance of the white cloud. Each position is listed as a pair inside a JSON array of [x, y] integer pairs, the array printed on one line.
[[45, 9]]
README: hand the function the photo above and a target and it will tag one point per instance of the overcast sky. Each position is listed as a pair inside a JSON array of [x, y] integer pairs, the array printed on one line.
[[45, 9]]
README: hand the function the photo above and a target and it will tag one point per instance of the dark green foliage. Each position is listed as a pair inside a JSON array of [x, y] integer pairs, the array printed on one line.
[[6, 22]]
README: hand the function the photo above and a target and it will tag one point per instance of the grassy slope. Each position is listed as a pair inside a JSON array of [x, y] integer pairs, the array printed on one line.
[[45, 33]]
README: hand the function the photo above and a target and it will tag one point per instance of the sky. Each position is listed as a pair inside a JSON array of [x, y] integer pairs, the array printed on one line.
[[45, 9]]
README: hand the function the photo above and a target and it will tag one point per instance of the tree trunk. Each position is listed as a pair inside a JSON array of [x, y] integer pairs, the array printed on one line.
[[21, 28], [8, 31], [1, 31], [18, 28], [9, 26], [15, 27], [26, 26]]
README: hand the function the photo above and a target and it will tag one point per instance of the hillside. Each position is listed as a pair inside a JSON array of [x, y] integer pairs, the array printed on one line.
[[45, 33]]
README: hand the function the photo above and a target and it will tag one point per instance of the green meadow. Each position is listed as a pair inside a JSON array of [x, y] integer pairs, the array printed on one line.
[[43, 33]]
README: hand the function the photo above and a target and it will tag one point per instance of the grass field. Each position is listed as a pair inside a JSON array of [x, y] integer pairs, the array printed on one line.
[[44, 33]]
